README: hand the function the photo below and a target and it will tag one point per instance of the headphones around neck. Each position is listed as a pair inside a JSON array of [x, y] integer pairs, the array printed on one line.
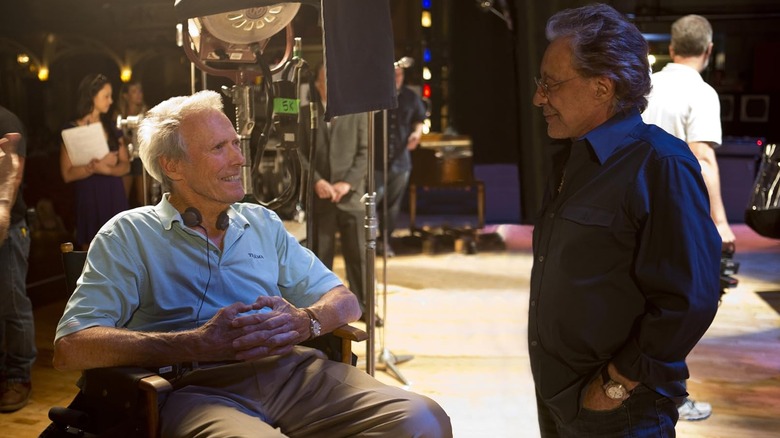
[[193, 218]]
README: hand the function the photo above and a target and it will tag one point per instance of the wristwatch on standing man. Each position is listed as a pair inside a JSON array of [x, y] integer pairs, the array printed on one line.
[[613, 389]]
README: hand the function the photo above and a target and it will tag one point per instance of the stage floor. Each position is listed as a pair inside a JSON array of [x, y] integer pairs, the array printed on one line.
[[463, 320]]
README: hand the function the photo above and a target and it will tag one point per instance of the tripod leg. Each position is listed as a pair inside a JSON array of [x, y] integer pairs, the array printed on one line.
[[388, 360]]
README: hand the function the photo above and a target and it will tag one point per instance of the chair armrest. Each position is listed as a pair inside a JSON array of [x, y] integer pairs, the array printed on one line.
[[153, 387], [348, 334], [352, 333], [113, 383], [119, 387], [337, 345], [155, 384]]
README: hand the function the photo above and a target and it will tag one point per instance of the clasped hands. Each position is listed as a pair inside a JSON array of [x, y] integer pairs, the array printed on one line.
[[334, 192], [103, 165], [232, 334]]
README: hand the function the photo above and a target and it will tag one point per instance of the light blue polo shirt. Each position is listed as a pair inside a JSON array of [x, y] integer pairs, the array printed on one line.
[[146, 271]]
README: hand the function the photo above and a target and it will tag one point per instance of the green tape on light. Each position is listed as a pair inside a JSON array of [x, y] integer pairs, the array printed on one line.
[[286, 106]]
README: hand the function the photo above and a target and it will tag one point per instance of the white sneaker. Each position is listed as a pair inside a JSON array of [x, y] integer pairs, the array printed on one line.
[[691, 410]]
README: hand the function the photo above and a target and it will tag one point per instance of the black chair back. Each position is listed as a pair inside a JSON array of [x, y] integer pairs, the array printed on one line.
[[73, 263]]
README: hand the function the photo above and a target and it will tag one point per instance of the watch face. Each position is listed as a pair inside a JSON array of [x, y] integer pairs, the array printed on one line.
[[316, 328], [615, 391]]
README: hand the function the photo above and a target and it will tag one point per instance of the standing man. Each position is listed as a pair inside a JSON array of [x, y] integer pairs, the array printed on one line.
[[17, 330], [339, 183], [687, 107], [626, 266], [404, 130]]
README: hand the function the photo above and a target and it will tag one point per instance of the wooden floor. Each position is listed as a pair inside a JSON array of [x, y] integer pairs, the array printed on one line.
[[462, 319]]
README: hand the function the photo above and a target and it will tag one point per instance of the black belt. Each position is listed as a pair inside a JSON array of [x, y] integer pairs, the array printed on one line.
[[174, 371]]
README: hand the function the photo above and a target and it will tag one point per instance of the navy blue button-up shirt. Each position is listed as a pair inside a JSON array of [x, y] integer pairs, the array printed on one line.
[[626, 263]]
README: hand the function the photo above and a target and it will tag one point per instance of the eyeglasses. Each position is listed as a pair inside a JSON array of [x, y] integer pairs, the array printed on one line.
[[545, 88]]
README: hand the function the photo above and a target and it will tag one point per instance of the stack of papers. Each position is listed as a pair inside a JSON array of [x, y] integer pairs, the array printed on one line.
[[84, 143]]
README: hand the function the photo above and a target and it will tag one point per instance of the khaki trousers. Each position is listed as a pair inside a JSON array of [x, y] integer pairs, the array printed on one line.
[[301, 394]]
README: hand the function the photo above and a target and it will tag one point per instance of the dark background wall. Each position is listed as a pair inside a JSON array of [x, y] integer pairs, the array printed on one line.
[[493, 65], [490, 67]]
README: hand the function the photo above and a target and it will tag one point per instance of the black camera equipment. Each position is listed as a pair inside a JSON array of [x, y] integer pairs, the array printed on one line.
[[728, 268]]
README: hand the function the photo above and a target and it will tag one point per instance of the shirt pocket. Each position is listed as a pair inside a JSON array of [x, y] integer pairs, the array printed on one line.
[[586, 243], [588, 215]]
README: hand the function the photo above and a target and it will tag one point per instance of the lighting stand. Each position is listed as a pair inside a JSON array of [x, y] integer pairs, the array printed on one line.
[[370, 224], [387, 360]]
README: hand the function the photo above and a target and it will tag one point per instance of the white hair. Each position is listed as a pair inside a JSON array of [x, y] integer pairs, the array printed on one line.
[[159, 132]]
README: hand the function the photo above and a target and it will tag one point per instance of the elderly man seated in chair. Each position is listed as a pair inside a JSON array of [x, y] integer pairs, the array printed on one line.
[[219, 287]]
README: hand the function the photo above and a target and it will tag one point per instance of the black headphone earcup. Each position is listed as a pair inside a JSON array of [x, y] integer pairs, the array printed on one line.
[[223, 221], [191, 217]]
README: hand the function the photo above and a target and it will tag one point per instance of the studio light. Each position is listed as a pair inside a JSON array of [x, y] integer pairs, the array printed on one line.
[[234, 31], [235, 36], [251, 25], [201, 8], [227, 38]]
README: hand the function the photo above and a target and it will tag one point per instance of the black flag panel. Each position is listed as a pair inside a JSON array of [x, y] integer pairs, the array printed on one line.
[[359, 56]]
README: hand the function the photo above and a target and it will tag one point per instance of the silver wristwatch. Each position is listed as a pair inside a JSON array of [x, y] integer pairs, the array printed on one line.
[[314, 324], [613, 389]]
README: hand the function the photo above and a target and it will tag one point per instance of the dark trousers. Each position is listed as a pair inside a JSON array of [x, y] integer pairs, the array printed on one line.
[[393, 195], [17, 327], [645, 414], [331, 219]]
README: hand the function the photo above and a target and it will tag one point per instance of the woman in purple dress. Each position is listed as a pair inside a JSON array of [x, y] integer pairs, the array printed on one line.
[[99, 191]]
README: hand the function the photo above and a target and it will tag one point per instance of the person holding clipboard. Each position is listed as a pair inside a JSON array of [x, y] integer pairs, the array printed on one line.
[[94, 159]]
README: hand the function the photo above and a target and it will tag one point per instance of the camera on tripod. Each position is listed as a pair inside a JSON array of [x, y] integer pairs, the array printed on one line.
[[129, 127]]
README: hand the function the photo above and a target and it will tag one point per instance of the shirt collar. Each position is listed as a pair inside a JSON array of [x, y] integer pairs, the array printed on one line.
[[606, 138], [682, 68], [168, 214]]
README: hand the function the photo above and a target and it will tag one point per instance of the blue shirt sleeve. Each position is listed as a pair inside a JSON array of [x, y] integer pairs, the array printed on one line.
[[674, 253]]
